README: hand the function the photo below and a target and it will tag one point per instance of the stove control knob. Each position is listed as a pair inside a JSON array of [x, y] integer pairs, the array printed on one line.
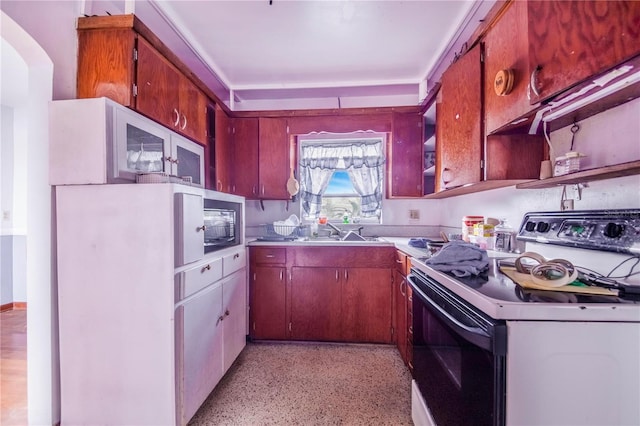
[[613, 230], [530, 226], [542, 227]]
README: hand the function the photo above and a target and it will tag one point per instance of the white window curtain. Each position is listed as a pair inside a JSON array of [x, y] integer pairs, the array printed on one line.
[[362, 159]]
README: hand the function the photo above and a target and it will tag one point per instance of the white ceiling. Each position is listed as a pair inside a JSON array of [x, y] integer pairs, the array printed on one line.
[[308, 53]]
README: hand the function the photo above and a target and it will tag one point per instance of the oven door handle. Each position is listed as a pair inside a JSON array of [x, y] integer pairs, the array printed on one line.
[[475, 335]]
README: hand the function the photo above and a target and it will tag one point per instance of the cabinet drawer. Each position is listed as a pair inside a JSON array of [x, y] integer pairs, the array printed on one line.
[[269, 255], [197, 278], [234, 262]]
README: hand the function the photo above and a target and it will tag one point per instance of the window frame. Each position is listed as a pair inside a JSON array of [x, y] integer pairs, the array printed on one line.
[[342, 138]]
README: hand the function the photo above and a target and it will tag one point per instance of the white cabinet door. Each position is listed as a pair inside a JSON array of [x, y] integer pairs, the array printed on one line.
[[189, 228], [199, 342], [187, 159], [235, 311]]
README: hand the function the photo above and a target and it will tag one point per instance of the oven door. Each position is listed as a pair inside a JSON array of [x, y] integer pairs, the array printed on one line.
[[458, 356]]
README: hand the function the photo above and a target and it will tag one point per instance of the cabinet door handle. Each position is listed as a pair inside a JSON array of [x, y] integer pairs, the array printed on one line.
[[184, 122], [346, 275], [446, 176], [281, 274], [533, 80], [237, 255], [177, 120], [201, 228], [337, 276], [399, 261], [402, 284], [226, 313]]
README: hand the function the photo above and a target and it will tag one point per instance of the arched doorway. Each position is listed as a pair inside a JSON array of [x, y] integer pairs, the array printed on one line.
[[25, 110]]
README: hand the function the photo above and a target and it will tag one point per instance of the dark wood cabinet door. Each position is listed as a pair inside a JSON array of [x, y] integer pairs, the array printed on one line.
[[459, 130], [158, 86], [105, 65], [400, 290], [268, 290], [193, 111], [405, 166], [315, 304], [274, 158], [572, 40], [245, 145], [366, 305], [223, 152], [506, 47]]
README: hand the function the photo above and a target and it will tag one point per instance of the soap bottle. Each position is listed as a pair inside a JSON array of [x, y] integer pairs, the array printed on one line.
[[505, 236]]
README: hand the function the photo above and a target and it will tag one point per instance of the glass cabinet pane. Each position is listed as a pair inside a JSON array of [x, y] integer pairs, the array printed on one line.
[[145, 151], [188, 164]]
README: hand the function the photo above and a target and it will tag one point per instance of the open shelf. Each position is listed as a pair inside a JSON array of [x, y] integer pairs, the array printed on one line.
[[475, 187], [608, 172]]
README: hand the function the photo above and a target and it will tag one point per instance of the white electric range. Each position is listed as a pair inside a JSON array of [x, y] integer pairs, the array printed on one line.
[[536, 357]]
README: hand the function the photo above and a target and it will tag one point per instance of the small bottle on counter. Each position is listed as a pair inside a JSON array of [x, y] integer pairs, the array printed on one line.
[[505, 236]]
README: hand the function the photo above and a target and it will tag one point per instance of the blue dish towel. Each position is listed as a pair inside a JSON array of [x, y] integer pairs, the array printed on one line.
[[418, 242], [460, 258]]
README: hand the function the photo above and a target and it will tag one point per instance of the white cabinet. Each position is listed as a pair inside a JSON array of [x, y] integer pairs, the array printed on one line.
[[95, 141], [121, 297], [210, 334]]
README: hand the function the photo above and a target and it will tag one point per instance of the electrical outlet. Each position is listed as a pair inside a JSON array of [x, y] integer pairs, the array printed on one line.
[[6, 215], [414, 214], [567, 205]]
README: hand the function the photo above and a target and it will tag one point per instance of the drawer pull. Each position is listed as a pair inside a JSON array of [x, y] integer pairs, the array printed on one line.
[[206, 268], [237, 255], [399, 261], [226, 313], [201, 228], [269, 256]]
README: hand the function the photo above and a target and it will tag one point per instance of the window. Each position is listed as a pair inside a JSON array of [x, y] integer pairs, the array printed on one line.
[[342, 177]]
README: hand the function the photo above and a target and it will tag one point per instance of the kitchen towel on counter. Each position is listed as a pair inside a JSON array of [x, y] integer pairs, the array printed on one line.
[[460, 258]]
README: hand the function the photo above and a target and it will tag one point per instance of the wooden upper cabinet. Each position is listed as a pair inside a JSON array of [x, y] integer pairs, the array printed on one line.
[[570, 41], [158, 86], [224, 153], [245, 148], [274, 158], [404, 159], [192, 107], [166, 95], [116, 61], [459, 132], [105, 65], [506, 48]]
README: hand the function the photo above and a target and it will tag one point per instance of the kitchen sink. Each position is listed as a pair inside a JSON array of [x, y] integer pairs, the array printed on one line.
[[347, 238]]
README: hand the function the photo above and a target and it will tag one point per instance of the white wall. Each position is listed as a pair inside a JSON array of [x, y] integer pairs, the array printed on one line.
[[31, 164]]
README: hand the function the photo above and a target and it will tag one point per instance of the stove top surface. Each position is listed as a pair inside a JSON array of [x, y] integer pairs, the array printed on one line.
[[498, 286], [498, 296]]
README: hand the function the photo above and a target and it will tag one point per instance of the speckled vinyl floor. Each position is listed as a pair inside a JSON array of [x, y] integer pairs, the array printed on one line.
[[311, 384]]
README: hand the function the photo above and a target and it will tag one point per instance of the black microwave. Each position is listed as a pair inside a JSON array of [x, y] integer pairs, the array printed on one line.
[[222, 224]]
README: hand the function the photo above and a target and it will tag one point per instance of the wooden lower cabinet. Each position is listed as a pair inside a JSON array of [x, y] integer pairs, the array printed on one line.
[[315, 304], [267, 293], [322, 294], [268, 320], [403, 317]]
